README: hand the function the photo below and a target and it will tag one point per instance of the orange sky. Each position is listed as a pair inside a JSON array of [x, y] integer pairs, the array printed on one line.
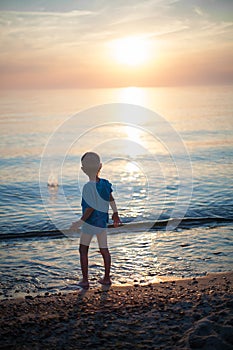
[[67, 44]]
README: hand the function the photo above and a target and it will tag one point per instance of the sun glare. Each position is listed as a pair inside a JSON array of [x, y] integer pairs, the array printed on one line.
[[133, 133], [132, 51], [133, 94], [131, 168]]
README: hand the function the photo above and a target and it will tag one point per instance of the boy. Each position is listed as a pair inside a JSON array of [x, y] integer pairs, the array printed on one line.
[[96, 197]]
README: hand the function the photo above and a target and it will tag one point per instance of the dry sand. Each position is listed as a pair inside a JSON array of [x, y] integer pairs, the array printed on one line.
[[180, 314]]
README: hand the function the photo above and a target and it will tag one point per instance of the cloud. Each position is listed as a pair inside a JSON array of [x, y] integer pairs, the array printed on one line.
[[199, 11], [55, 40]]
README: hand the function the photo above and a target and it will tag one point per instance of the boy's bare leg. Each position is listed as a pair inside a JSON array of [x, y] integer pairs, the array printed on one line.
[[83, 250], [107, 265]]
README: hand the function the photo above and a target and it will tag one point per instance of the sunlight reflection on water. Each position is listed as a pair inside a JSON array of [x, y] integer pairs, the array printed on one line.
[[202, 116], [53, 265]]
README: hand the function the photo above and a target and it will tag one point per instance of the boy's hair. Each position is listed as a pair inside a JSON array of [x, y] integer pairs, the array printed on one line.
[[91, 155], [91, 162]]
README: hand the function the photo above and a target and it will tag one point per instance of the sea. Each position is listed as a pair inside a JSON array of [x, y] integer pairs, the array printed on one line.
[[166, 151]]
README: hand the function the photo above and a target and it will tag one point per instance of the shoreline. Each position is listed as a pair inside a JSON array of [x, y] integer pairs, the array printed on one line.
[[163, 224], [175, 313]]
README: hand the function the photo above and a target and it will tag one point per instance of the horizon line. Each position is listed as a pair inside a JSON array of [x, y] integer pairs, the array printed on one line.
[[2, 88]]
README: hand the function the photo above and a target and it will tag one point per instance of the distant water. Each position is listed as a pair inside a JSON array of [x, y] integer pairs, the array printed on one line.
[[202, 116]]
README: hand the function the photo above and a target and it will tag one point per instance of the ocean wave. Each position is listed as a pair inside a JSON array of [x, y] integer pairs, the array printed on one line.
[[134, 226]]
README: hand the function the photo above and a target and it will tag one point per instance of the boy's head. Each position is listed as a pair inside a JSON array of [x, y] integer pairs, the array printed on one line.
[[91, 164]]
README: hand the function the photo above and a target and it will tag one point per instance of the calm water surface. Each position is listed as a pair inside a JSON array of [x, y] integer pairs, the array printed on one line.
[[146, 188]]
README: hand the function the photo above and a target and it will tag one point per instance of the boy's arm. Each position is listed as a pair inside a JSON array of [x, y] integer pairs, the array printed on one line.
[[86, 215], [113, 204], [115, 217]]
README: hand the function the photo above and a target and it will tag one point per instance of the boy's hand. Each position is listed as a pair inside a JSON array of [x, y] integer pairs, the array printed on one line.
[[75, 225], [116, 220]]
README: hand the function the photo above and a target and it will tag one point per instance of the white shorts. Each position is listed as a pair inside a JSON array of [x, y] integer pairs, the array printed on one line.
[[85, 239]]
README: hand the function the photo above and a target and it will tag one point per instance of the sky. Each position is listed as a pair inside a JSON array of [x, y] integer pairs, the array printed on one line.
[[109, 43]]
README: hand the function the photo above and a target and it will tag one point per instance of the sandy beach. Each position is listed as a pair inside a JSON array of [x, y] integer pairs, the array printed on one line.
[[194, 313]]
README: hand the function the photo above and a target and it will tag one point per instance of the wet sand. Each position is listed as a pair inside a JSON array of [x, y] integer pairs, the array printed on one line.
[[192, 313]]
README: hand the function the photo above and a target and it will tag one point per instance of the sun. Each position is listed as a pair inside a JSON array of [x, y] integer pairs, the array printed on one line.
[[131, 51]]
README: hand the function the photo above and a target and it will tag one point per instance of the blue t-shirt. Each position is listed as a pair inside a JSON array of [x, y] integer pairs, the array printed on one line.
[[96, 195]]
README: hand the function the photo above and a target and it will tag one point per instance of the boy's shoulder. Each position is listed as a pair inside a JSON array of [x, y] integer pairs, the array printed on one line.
[[101, 182], [105, 182], [89, 184], [94, 184]]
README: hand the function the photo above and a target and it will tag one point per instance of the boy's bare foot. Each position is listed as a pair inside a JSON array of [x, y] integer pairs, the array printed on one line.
[[83, 284], [105, 282]]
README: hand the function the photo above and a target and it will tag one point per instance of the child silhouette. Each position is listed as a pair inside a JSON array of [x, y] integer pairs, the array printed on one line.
[[96, 197]]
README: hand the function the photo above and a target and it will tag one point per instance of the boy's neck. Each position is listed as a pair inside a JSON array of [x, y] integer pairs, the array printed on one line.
[[94, 178]]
